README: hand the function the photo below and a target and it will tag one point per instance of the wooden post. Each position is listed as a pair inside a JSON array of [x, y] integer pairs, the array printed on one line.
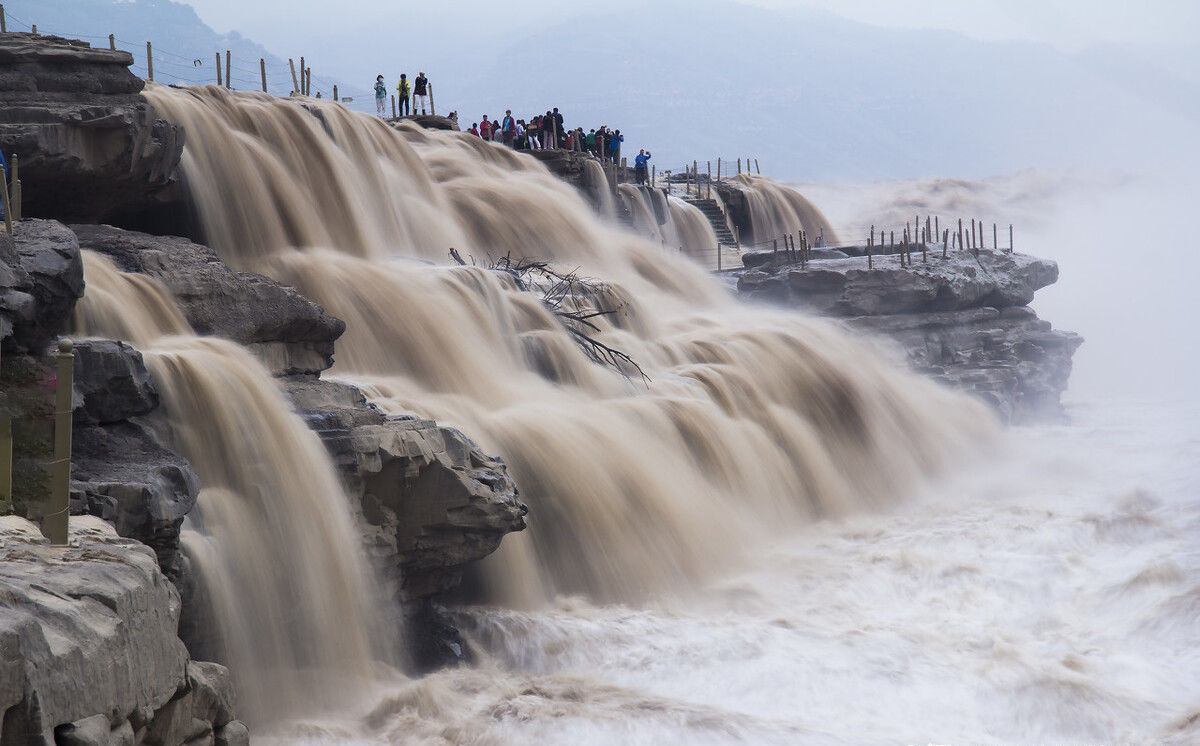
[[653, 176], [432, 111], [739, 166], [927, 233], [335, 96], [774, 247], [300, 90], [718, 169], [295, 83], [708, 186], [308, 81], [1010, 243], [393, 106], [112, 42], [756, 167], [4, 23], [6, 443], [15, 196], [149, 62], [870, 244], [220, 80], [262, 71], [995, 240], [960, 235], [937, 229], [945, 242], [54, 523], [8, 216], [228, 72], [696, 177]]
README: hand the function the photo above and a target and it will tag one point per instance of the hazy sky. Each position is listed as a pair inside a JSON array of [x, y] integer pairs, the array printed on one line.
[[1068, 24]]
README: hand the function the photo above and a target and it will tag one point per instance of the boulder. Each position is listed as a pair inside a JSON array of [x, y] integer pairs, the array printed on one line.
[[290, 333], [89, 147], [122, 473], [433, 501], [88, 648], [85, 630], [111, 383], [41, 277]]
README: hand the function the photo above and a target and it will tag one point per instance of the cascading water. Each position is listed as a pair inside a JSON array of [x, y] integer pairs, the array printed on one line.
[[777, 209], [118, 305], [669, 222], [751, 420], [300, 617]]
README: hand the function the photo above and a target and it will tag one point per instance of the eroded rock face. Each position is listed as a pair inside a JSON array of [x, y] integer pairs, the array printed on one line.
[[41, 277], [1009, 357], [111, 383], [962, 320], [290, 333], [89, 147], [433, 500], [88, 649]]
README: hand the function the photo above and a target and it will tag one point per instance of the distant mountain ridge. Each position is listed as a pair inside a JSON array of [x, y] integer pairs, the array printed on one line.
[[183, 45], [811, 95]]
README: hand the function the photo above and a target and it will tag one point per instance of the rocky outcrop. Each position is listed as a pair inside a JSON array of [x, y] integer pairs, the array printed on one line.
[[41, 277], [290, 333], [112, 384], [90, 148], [88, 648], [846, 287], [433, 501], [962, 320], [1006, 356]]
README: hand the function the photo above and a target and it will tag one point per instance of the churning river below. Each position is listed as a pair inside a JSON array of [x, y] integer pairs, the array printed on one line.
[[1048, 592]]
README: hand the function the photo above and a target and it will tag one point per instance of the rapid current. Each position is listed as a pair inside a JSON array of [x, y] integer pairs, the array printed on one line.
[[776, 536]]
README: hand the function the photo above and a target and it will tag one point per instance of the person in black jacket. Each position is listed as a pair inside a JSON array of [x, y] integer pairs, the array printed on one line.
[[420, 92]]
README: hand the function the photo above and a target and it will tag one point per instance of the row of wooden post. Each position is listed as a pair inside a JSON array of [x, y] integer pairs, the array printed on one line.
[[792, 252], [927, 234]]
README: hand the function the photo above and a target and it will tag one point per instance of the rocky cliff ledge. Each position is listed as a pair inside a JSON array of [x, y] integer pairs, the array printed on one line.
[[88, 648], [963, 320], [90, 148]]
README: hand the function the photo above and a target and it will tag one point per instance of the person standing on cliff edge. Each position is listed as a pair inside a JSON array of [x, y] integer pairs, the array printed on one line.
[[402, 91], [639, 166], [380, 98], [420, 92]]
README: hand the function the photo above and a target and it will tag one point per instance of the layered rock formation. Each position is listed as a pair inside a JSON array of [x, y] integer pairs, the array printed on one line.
[[88, 648], [434, 500], [90, 148], [288, 332], [962, 320]]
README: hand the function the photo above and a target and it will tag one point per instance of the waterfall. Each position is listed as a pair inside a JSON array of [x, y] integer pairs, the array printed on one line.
[[126, 306], [749, 420], [776, 209], [300, 617]]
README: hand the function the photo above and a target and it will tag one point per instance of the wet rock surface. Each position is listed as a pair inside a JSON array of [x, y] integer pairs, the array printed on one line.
[[962, 320], [41, 277], [88, 648], [90, 148], [290, 333], [431, 499]]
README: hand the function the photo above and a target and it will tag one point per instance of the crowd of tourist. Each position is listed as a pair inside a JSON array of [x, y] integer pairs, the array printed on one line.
[[545, 131], [539, 132]]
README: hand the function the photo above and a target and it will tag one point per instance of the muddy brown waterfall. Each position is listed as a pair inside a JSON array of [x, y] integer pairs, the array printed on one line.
[[750, 421]]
